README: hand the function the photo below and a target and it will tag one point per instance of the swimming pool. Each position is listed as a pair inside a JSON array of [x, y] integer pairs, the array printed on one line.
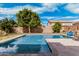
[[32, 44]]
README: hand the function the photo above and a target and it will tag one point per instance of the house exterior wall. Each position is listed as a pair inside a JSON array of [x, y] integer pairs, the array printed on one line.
[[63, 23], [66, 26]]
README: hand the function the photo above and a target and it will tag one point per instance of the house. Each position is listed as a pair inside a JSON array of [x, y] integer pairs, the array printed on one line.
[[66, 25]]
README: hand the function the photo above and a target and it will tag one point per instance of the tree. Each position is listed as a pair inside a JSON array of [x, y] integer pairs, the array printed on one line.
[[7, 25], [56, 27], [12, 22], [27, 18]]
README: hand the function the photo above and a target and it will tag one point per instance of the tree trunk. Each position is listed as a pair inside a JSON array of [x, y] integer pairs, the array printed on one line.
[[29, 29]]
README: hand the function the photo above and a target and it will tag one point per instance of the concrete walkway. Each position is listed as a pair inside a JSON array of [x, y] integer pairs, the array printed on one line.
[[64, 47]]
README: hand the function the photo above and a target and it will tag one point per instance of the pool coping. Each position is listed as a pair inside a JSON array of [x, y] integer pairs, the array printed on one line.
[[53, 50], [8, 39], [64, 47], [12, 38], [45, 34]]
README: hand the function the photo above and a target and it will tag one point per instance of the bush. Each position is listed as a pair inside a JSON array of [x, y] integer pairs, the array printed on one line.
[[56, 27], [7, 25]]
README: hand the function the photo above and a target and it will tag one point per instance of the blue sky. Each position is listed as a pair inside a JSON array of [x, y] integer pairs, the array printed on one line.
[[46, 11]]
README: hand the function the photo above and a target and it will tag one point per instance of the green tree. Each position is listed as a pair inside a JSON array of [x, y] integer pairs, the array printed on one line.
[[56, 27], [27, 18], [12, 22], [7, 25]]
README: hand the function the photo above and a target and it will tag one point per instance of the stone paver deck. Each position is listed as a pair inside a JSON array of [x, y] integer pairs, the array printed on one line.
[[64, 47]]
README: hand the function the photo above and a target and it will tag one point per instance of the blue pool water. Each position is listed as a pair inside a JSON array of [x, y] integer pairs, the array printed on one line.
[[32, 44]]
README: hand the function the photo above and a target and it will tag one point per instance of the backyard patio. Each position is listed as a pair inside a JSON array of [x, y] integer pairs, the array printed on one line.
[[64, 47]]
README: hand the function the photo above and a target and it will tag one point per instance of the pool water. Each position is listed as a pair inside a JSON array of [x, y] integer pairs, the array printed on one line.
[[32, 44], [54, 36]]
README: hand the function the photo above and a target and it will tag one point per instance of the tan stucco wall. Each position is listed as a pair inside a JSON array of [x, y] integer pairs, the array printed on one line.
[[2, 32], [18, 29]]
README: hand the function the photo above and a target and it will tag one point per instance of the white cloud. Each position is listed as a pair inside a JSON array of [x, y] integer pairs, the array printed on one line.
[[67, 17], [8, 11], [76, 18], [14, 10], [6, 16], [50, 6], [74, 7], [48, 17], [1, 18]]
